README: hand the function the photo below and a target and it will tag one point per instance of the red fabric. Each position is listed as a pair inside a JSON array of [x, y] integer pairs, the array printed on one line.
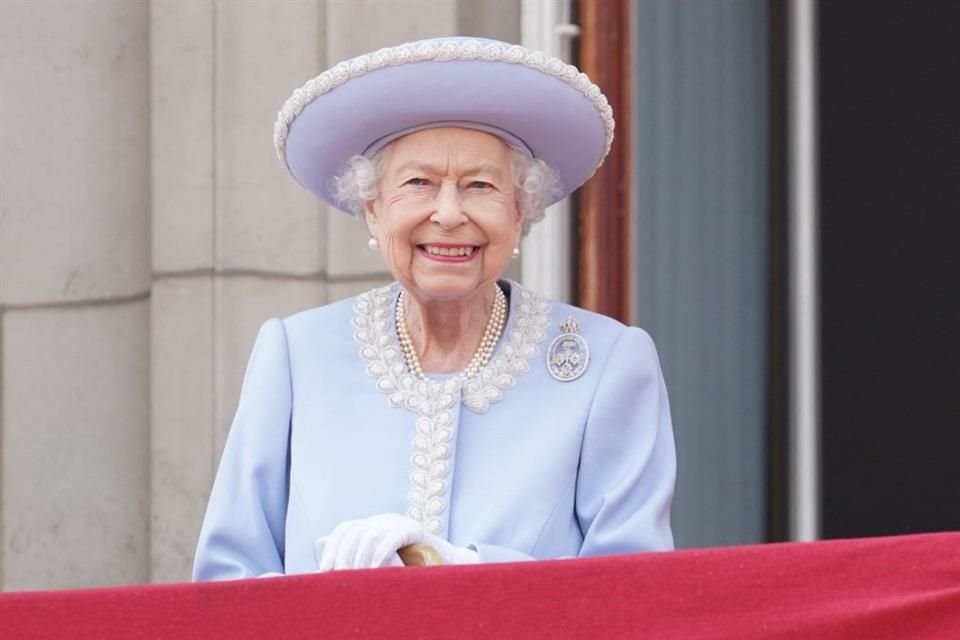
[[903, 587]]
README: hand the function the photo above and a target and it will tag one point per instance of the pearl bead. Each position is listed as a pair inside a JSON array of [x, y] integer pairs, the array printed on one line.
[[491, 335]]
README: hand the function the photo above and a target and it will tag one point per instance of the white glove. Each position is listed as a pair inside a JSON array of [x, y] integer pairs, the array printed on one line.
[[373, 542]]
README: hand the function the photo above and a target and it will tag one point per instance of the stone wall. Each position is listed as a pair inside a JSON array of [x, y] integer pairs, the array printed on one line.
[[146, 231]]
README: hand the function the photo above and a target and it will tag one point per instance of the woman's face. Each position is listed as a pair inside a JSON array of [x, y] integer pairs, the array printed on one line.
[[445, 216]]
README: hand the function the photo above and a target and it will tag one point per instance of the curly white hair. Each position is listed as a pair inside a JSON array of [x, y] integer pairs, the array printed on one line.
[[536, 183]]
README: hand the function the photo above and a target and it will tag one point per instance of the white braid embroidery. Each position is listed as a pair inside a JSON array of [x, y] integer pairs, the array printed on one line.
[[433, 52], [528, 331], [433, 400]]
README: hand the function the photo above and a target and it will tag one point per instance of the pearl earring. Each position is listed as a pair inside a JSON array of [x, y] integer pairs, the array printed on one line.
[[373, 243], [516, 252]]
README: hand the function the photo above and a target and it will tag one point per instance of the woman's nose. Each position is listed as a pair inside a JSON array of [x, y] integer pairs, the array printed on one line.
[[449, 213]]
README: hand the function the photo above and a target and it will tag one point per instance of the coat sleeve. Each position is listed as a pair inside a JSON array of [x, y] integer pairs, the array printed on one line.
[[628, 460], [627, 469], [243, 530]]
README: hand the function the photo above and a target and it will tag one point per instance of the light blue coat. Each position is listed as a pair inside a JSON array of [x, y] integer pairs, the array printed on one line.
[[513, 463]]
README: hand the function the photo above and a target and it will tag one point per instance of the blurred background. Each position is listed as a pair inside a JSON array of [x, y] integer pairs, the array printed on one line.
[[781, 210]]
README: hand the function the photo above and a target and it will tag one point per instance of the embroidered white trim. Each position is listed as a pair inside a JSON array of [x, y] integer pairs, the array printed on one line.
[[528, 331], [433, 400], [432, 52]]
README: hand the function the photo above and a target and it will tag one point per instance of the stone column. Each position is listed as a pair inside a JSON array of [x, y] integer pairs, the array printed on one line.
[[74, 285], [235, 241]]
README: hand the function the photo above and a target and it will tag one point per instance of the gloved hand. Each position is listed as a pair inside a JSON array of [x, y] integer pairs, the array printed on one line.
[[373, 542]]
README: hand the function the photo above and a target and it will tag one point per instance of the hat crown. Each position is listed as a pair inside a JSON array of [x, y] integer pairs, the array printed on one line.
[[523, 86]]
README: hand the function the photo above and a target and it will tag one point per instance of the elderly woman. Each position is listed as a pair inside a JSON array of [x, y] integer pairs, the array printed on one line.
[[454, 407]]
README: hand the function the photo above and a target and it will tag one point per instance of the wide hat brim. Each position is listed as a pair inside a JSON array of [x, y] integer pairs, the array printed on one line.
[[551, 109]]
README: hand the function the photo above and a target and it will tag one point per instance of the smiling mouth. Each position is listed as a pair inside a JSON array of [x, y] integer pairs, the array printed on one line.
[[449, 252]]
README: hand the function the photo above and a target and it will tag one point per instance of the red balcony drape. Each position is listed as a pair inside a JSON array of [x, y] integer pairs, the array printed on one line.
[[899, 587]]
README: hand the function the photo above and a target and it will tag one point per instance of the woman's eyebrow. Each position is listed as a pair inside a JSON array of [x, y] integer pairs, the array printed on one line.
[[414, 165], [483, 168], [470, 170]]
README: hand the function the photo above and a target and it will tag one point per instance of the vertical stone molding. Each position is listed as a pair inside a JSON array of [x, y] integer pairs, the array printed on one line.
[[73, 140], [181, 417], [499, 19], [182, 131], [264, 221], [355, 27], [75, 446], [74, 281]]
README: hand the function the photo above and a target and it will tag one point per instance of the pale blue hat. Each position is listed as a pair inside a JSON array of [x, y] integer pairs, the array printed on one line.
[[536, 103]]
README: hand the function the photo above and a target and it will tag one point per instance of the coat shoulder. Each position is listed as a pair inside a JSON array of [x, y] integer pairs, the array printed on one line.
[[601, 332]]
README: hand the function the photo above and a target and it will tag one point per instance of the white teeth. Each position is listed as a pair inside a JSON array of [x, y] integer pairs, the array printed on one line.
[[448, 251]]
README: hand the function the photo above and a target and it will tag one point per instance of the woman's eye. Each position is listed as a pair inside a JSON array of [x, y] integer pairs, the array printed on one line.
[[480, 184], [417, 182]]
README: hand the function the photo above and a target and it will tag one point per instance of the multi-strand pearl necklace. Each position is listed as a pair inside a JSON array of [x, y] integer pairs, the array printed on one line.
[[491, 335]]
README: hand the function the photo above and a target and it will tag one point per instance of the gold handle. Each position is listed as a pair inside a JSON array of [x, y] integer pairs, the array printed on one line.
[[419, 555]]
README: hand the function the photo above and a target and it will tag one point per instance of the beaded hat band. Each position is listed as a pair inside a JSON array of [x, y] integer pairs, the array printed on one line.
[[540, 104]]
